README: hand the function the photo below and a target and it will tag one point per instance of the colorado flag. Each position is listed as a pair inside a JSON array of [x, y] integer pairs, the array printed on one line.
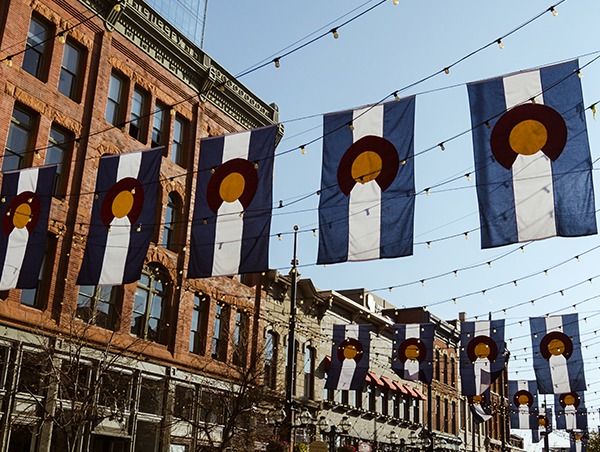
[[123, 218], [523, 404], [349, 357], [544, 425], [481, 407], [232, 215], [412, 352], [557, 359], [579, 441], [482, 355], [366, 207], [25, 206], [532, 156], [571, 413]]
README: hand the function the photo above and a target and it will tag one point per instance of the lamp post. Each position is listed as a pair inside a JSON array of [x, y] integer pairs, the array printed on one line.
[[331, 431], [276, 419], [393, 438], [419, 442]]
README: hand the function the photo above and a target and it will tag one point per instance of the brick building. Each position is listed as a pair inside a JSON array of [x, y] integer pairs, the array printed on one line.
[[79, 80]]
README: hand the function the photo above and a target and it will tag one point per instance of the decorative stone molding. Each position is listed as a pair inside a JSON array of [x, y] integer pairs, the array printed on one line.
[[61, 24], [42, 108]]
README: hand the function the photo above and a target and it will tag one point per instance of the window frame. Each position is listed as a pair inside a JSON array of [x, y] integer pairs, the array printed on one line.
[[65, 149], [94, 303], [240, 338], [310, 356], [178, 143], [137, 120], [198, 335], [219, 349], [74, 86], [42, 55], [158, 132], [117, 104], [15, 123], [173, 206], [270, 368], [154, 277]]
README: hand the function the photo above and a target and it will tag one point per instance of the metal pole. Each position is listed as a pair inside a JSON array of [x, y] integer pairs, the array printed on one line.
[[502, 410], [546, 436], [430, 416], [291, 368], [473, 429]]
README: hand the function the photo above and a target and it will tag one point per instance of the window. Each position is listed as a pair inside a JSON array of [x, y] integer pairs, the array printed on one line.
[[445, 414], [416, 414], [309, 373], [171, 214], [438, 409], [327, 393], [406, 404], [271, 348], [55, 155], [396, 404], [357, 399], [150, 305], [147, 437], [452, 372], [17, 143], [184, 402], [68, 83], [151, 396], [158, 125], [240, 339], [115, 97], [437, 365], [136, 124], [198, 324], [35, 297], [453, 418], [177, 146], [445, 369], [372, 392], [218, 344], [97, 305], [384, 402], [33, 372], [36, 49], [115, 391]]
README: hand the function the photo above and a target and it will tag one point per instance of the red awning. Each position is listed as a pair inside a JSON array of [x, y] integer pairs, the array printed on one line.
[[375, 379], [412, 391], [401, 388], [389, 384], [421, 395]]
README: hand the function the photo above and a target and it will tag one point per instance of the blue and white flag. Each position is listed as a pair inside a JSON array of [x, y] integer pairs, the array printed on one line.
[[579, 440], [557, 359], [366, 207], [532, 156], [571, 413], [523, 404], [232, 215], [412, 352], [123, 218], [480, 406], [349, 357], [482, 355], [25, 207]]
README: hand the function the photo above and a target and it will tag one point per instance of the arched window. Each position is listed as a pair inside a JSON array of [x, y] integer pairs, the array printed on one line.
[[150, 306], [446, 369], [171, 214], [437, 365], [309, 373]]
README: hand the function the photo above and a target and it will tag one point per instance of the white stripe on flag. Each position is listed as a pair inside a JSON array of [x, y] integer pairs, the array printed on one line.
[[117, 238], [531, 174], [479, 410], [557, 363], [571, 417], [364, 203], [18, 238], [348, 365], [482, 365], [229, 226], [411, 366]]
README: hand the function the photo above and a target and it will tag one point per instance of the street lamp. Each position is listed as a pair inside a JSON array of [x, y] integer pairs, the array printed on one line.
[[277, 419], [393, 438], [331, 431]]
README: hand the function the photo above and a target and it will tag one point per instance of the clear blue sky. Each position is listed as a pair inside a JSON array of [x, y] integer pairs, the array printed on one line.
[[388, 48]]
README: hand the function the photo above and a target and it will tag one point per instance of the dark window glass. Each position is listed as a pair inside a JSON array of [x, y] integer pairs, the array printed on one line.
[[309, 373], [19, 135], [372, 398], [177, 147], [158, 125], [113, 104], [97, 305], [115, 391], [406, 404], [240, 339], [35, 297], [75, 379], [171, 214], [55, 155], [147, 437], [438, 409], [445, 369], [396, 403], [271, 361], [218, 344], [184, 402], [36, 49], [452, 372], [384, 402], [416, 413], [198, 331], [453, 418], [68, 83], [22, 438], [136, 124], [151, 396], [32, 374], [445, 414], [150, 305], [437, 365]]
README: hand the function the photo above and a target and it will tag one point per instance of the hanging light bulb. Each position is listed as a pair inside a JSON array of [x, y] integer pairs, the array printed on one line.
[[553, 11], [489, 264], [579, 74], [303, 149], [447, 70], [276, 61], [9, 61], [314, 232], [466, 235], [61, 37], [441, 145], [396, 2], [429, 245], [396, 98], [335, 33], [500, 44]]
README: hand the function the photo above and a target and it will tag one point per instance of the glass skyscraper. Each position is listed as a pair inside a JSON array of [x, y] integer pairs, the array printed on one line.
[[188, 16]]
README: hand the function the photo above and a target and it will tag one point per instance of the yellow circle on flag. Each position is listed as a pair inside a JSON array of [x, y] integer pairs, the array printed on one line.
[[366, 167], [569, 400], [523, 399], [122, 204], [528, 137], [412, 352], [482, 350], [22, 215], [350, 351], [232, 187], [556, 347]]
